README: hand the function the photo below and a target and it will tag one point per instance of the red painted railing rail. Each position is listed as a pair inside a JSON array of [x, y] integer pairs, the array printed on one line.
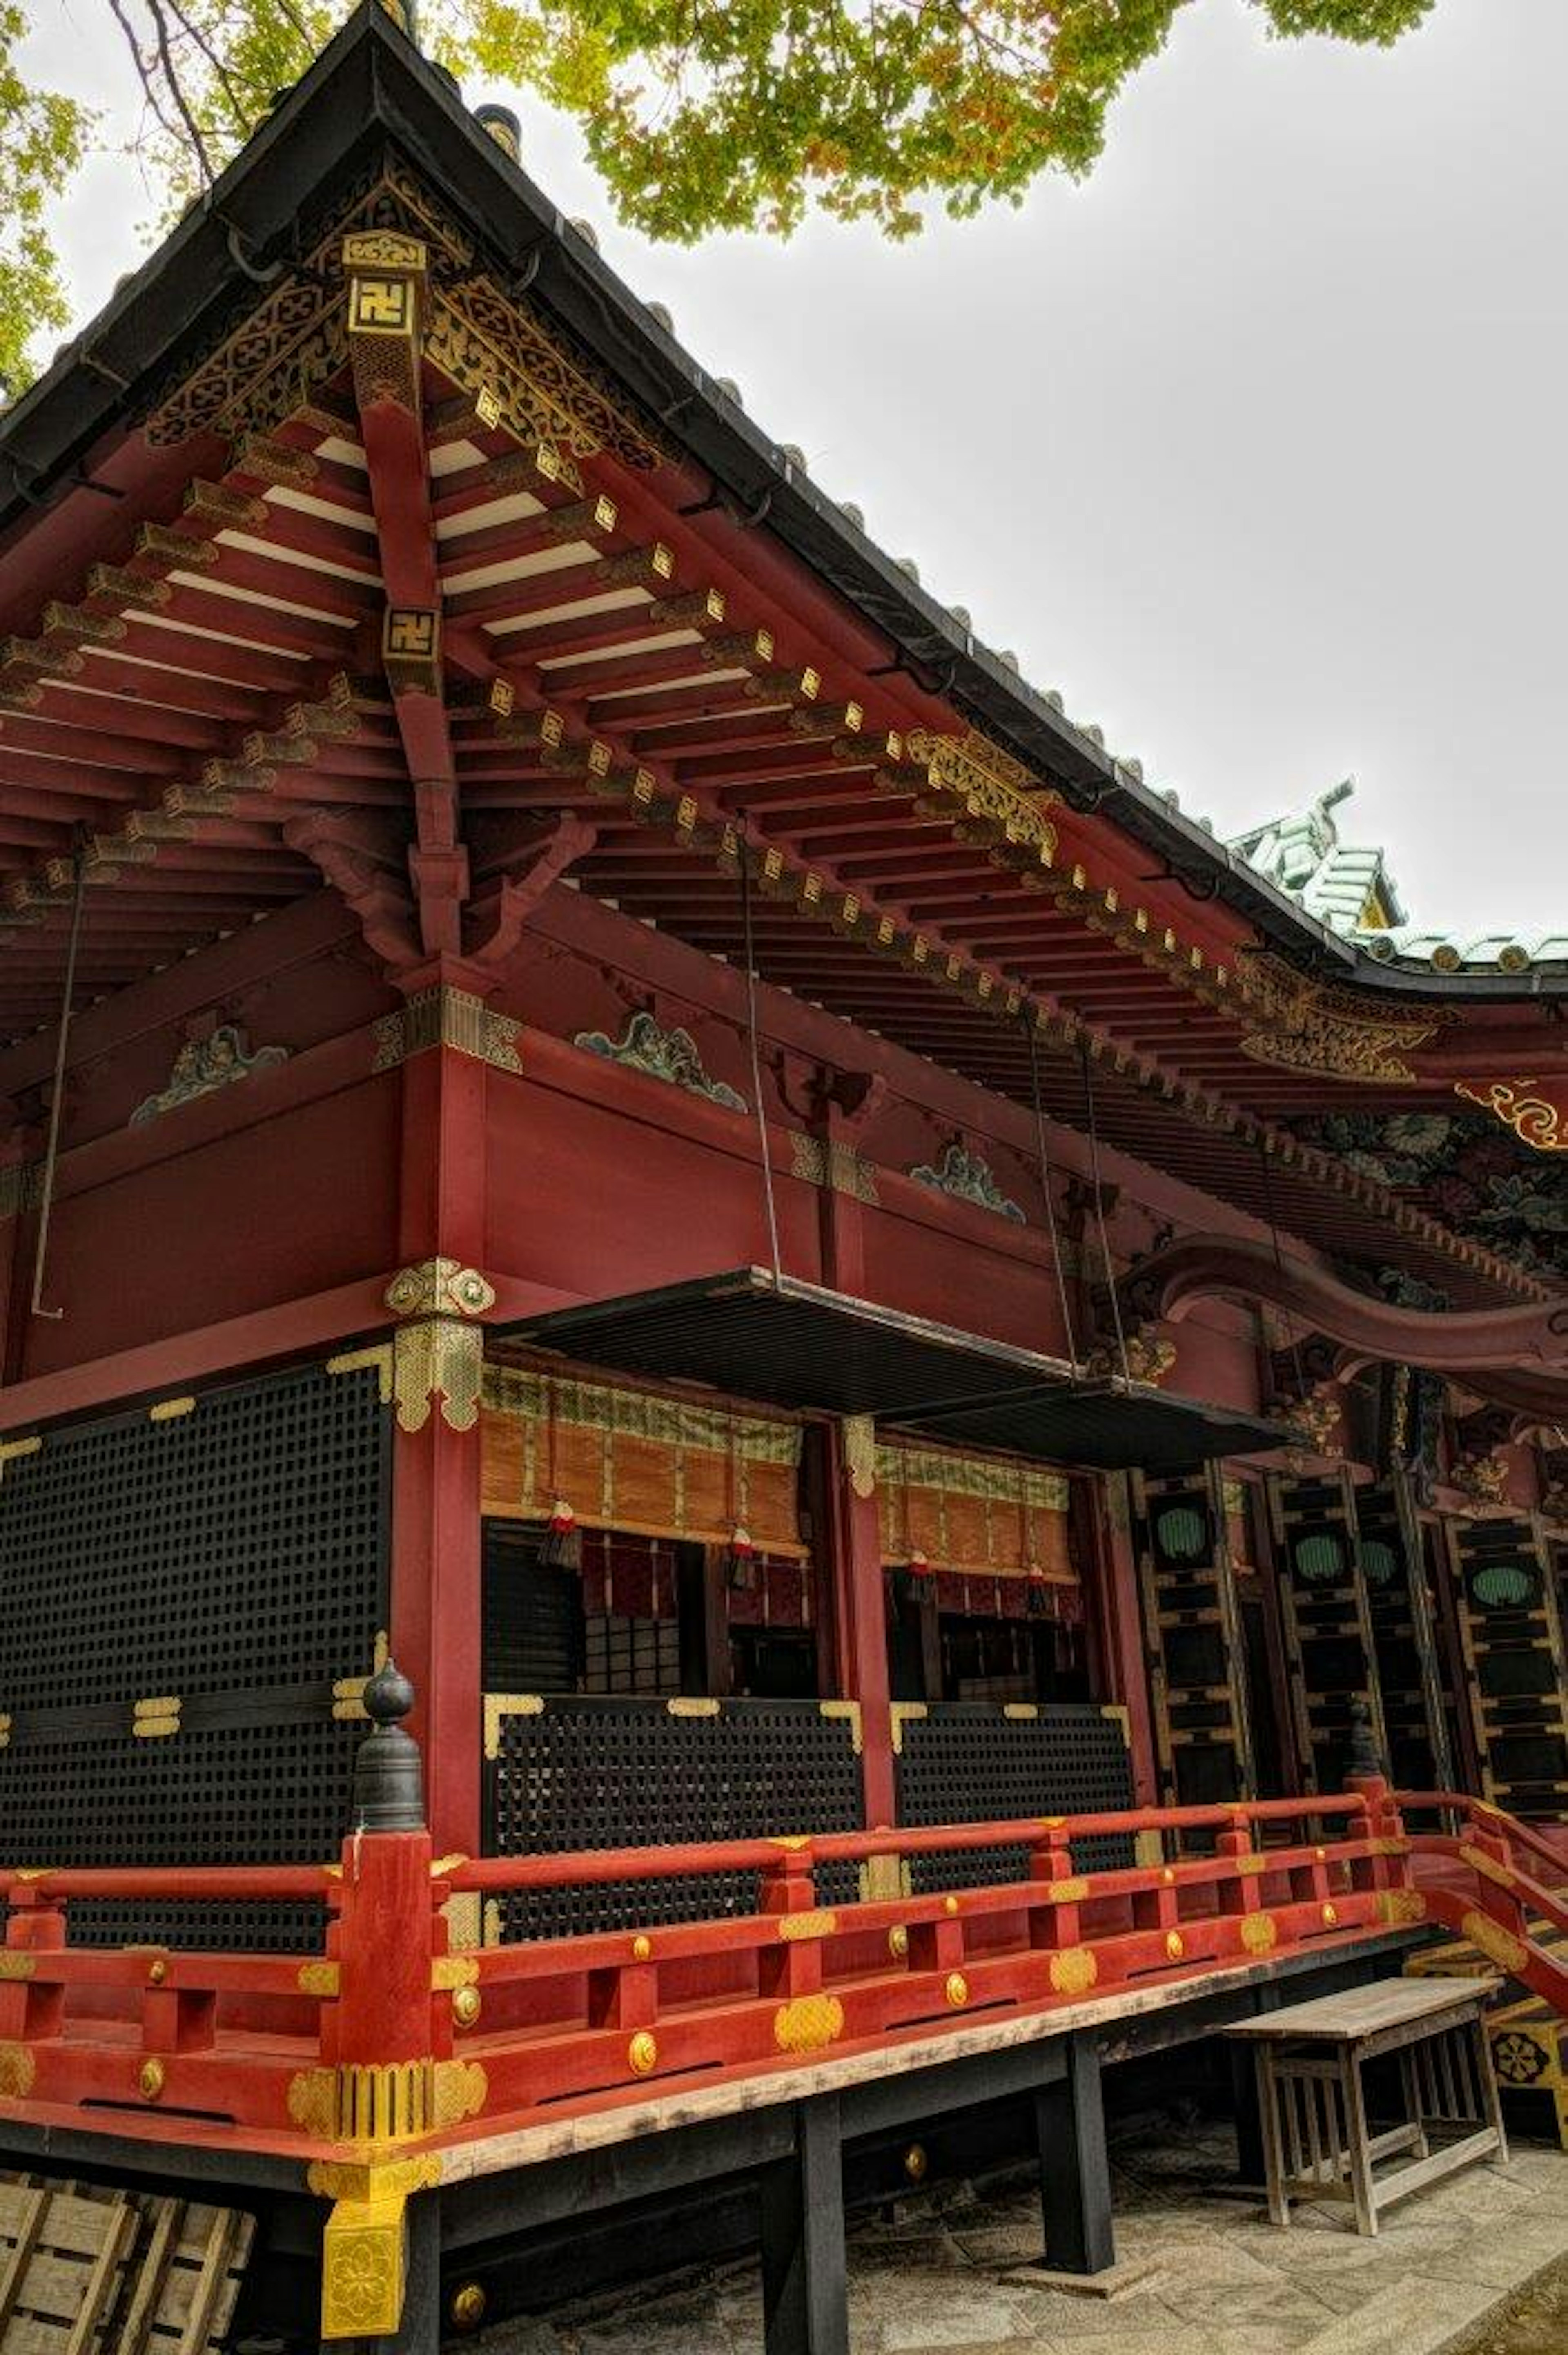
[[396, 2032]]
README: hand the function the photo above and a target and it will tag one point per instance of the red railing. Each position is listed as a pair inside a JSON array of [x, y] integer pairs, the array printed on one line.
[[391, 2036], [1492, 1898]]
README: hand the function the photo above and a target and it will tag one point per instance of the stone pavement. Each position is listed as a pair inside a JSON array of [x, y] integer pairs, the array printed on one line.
[[932, 2277]]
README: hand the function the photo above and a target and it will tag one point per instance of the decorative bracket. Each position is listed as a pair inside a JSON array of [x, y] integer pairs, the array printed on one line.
[[437, 1353]]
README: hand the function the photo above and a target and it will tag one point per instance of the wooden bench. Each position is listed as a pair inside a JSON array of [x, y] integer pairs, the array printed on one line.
[[1312, 2100]]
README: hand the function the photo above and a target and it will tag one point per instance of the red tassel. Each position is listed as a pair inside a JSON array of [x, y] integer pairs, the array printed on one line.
[[563, 1543], [741, 1563]]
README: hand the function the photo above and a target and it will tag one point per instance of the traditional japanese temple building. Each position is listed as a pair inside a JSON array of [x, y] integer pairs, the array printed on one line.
[[595, 1095]]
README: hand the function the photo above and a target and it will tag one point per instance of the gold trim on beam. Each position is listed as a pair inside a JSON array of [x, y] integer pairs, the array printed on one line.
[[447, 1018]]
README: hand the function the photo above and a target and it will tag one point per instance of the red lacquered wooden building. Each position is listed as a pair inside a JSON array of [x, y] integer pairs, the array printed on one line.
[[595, 1096]]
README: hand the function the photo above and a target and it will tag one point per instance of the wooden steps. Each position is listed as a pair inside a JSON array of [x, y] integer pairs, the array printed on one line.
[[1529, 2039], [87, 2271]]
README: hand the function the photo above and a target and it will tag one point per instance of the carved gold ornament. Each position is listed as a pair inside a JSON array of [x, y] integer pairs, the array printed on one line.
[[467, 2005], [1331, 1917], [1259, 1933], [1175, 1946], [957, 1989], [898, 1941], [995, 800], [860, 1453], [1302, 1025], [833, 1165], [447, 1018], [1535, 1118], [1497, 1945], [363, 2254], [16, 2069], [1075, 1970], [1315, 1422], [807, 2023], [1400, 1909], [150, 2080], [379, 2104], [643, 2054], [440, 1287]]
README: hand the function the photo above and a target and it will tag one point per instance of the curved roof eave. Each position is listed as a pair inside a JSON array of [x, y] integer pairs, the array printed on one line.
[[372, 77]]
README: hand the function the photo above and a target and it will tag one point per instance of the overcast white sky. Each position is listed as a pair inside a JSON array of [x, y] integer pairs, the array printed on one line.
[[1254, 445]]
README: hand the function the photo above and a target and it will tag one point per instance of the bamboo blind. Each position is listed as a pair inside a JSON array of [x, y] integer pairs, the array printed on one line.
[[973, 1514], [637, 1460]]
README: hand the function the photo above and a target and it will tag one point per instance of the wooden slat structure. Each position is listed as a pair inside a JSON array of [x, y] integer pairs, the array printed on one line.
[[87, 2271]]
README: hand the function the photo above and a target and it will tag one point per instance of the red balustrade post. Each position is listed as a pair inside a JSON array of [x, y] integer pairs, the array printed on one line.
[[35, 1927], [1055, 1921], [386, 1933], [788, 1896], [388, 2032]]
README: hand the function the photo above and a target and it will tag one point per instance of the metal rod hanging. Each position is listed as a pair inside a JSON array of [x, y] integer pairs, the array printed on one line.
[[1092, 1125], [57, 1099], [1045, 1185], [750, 955]]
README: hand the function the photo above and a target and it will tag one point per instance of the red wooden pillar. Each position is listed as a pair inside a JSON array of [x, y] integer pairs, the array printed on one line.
[[1112, 1593], [438, 1365], [859, 1609]]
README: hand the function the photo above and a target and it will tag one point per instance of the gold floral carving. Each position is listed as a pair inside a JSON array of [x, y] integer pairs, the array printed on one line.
[[438, 1288], [270, 356], [993, 797], [16, 2071], [1301, 1025], [1401, 1908], [831, 1164], [1259, 1933], [363, 2268], [490, 345], [447, 1018], [1482, 1478], [1074, 1971], [860, 1453], [1497, 1945], [807, 2023], [1535, 1120]]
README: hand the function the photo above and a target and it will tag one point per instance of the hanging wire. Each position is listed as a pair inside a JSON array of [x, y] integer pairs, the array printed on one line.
[[746, 927], [1093, 1125], [1045, 1185], [1294, 1344], [57, 1100]]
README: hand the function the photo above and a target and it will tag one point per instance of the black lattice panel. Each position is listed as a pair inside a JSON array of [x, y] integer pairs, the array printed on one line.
[[592, 1773], [1328, 1626], [972, 1763], [1193, 1640], [231, 1559], [238, 1544], [1517, 1674], [1400, 1609]]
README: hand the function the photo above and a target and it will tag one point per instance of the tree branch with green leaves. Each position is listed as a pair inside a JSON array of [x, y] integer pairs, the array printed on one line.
[[699, 115]]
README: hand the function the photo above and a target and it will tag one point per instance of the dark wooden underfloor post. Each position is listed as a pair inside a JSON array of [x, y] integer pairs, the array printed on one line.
[[805, 2285], [1074, 2171]]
